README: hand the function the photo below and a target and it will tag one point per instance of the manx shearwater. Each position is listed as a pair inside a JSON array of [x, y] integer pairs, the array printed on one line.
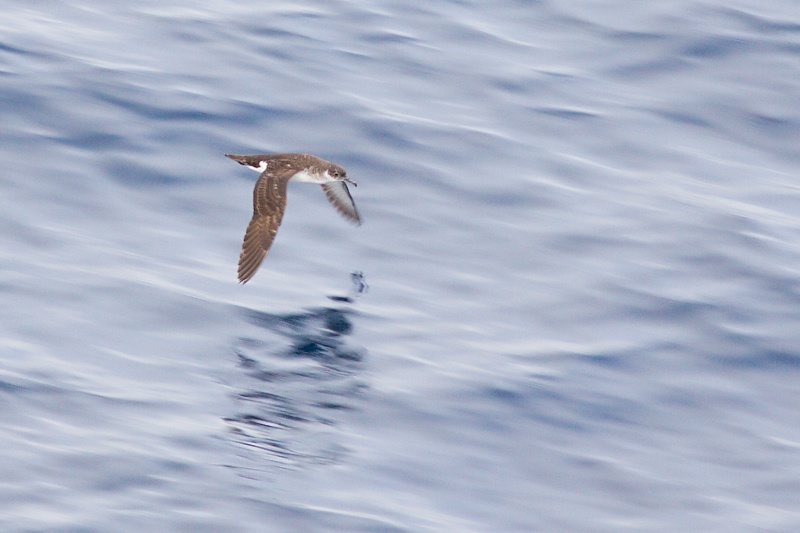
[[269, 198]]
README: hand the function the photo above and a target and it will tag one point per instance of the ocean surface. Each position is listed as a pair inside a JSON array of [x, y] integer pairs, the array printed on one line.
[[574, 303]]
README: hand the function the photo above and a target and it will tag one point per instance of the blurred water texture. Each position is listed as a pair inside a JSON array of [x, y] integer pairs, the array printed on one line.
[[580, 238]]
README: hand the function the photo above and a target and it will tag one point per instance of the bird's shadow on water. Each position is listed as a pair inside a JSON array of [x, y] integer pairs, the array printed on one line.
[[298, 376]]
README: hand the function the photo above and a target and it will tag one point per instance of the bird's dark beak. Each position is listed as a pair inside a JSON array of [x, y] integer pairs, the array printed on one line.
[[351, 182]]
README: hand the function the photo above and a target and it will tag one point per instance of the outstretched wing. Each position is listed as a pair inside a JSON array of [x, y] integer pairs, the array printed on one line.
[[269, 203], [339, 196]]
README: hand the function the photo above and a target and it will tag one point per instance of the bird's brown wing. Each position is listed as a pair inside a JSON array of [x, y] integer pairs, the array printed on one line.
[[269, 203], [339, 196]]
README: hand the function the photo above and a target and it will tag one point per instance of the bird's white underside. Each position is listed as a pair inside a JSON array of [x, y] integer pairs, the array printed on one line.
[[303, 176]]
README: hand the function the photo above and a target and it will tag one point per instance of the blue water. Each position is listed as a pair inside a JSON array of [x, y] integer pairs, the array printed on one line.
[[573, 304]]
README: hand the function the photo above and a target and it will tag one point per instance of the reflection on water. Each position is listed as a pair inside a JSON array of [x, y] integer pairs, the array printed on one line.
[[298, 375]]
